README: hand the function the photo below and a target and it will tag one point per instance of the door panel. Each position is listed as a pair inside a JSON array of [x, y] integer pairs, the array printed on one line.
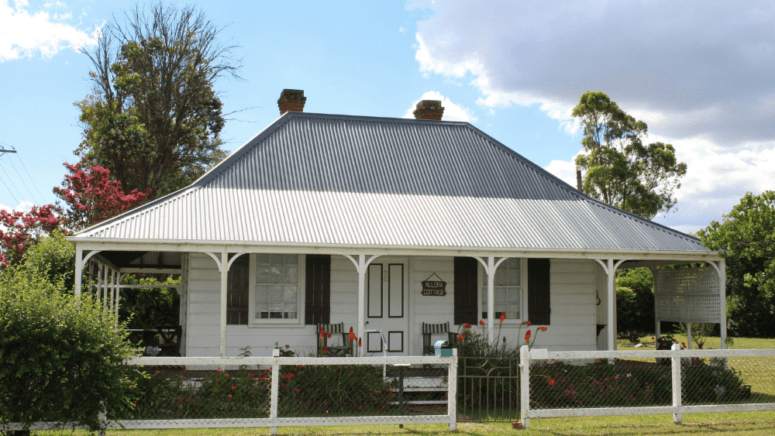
[[387, 306]]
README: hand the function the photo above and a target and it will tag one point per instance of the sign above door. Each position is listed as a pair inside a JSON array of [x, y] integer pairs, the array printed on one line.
[[434, 288]]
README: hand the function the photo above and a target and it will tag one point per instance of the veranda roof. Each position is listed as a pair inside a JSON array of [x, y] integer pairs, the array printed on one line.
[[316, 179]]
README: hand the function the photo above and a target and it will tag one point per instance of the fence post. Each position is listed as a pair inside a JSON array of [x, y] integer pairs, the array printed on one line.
[[452, 392], [524, 384], [275, 391], [103, 420], [677, 389]]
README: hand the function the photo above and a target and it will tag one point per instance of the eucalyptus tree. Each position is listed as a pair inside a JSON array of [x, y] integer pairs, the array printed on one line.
[[617, 167]]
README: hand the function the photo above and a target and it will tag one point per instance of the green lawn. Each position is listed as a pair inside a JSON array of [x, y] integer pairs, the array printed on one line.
[[712, 343], [743, 423]]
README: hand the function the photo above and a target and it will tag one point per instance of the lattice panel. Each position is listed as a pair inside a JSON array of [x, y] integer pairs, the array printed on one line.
[[687, 295]]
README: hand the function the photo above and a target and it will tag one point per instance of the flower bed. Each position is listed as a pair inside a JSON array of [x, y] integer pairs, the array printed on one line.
[[599, 384]]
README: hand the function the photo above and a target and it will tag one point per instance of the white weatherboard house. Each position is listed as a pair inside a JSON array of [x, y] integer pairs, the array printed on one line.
[[384, 224]]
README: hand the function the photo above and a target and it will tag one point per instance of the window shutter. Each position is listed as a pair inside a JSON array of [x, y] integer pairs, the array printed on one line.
[[466, 282], [538, 293], [317, 304], [237, 292]]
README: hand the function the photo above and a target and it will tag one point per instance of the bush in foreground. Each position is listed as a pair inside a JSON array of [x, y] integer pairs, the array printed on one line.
[[60, 353]]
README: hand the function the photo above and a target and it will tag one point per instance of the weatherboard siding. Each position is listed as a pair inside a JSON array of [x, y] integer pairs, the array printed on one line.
[[572, 298]]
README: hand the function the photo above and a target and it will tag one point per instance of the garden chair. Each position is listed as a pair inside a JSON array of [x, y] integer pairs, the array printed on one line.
[[428, 330], [336, 330]]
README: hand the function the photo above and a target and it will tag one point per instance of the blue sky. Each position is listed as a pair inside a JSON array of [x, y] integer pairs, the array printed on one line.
[[699, 74]]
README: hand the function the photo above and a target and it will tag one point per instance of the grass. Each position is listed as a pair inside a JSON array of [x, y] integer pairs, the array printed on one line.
[[711, 343], [740, 423]]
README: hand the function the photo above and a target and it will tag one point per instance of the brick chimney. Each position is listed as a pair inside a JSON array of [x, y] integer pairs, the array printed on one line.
[[429, 110], [291, 100]]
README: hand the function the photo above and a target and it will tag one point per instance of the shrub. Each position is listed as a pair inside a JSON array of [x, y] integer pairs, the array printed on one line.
[[54, 258], [626, 309], [60, 353], [559, 384], [316, 390], [170, 393]]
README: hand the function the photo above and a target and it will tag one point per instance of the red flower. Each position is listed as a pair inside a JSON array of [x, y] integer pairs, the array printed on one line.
[[606, 379], [359, 342], [297, 389], [252, 375], [158, 372], [282, 385], [461, 337], [329, 335], [261, 378], [218, 370], [266, 371], [352, 335], [229, 396], [467, 325], [226, 375], [597, 361], [527, 323], [180, 400], [234, 388], [481, 322], [287, 346], [325, 349], [527, 336], [322, 332], [503, 316], [543, 329], [134, 402], [551, 382]]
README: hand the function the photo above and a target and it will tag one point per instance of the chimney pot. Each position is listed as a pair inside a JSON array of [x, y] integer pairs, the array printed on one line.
[[291, 100], [429, 110]]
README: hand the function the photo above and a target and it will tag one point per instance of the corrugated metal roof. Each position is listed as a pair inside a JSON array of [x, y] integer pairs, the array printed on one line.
[[346, 180]]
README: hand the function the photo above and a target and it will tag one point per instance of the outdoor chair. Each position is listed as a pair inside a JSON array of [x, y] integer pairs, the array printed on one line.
[[169, 345], [334, 350], [428, 330]]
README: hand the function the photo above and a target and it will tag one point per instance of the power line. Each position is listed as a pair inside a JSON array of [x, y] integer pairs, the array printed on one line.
[[26, 186], [11, 182], [9, 191], [28, 175]]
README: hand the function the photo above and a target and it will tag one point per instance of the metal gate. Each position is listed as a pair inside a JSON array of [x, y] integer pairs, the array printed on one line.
[[488, 389]]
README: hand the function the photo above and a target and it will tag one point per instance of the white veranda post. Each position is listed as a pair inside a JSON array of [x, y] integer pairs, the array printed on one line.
[[609, 267], [362, 267], [490, 266]]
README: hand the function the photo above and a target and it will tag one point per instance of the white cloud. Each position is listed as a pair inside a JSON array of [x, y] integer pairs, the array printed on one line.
[[564, 170], [699, 73], [24, 34], [452, 111], [690, 68]]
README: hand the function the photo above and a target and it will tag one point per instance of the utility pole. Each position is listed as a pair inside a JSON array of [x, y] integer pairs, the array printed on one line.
[[2, 150]]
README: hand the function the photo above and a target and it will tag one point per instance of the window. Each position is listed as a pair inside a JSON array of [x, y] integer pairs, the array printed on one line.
[[508, 290], [276, 283]]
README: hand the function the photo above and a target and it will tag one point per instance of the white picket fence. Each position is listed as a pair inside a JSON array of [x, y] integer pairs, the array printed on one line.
[[274, 421], [532, 357]]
